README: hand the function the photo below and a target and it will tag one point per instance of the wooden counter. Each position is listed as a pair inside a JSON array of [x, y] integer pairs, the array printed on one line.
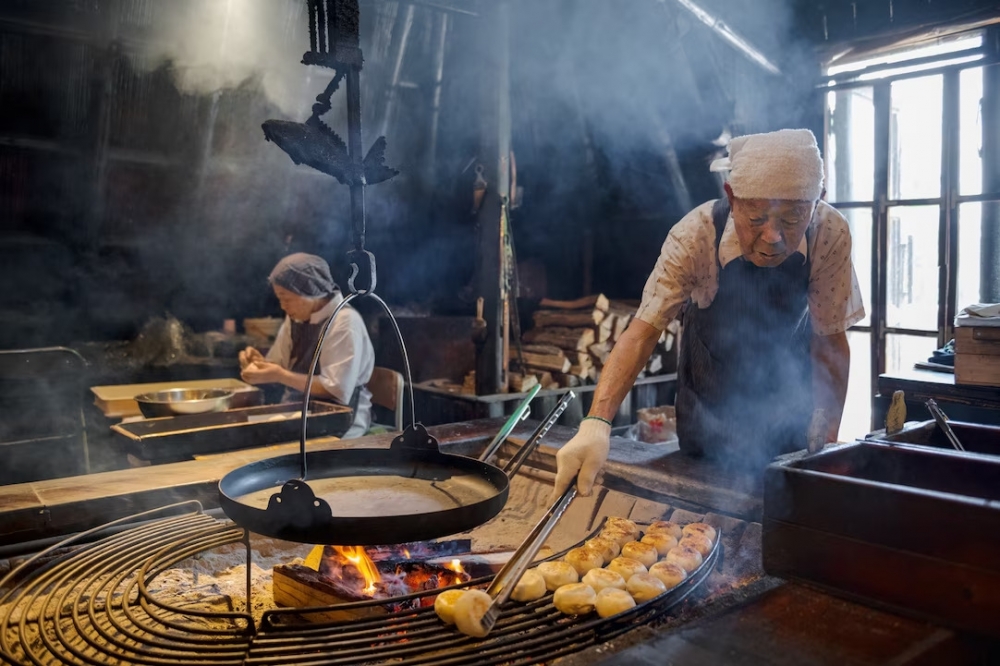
[[976, 404], [768, 622], [786, 624]]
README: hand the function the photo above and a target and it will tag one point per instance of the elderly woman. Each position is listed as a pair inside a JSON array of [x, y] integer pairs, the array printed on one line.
[[308, 295], [770, 289]]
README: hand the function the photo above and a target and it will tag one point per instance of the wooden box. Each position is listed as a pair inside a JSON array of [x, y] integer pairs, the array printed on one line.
[[914, 529], [977, 355], [975, 437], [175, 438], [118, 401]]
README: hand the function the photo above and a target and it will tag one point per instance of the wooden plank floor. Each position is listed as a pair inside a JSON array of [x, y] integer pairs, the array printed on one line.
[[793, 625]]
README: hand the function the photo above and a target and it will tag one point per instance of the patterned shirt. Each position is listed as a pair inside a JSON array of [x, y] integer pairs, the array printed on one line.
[[687, 268]]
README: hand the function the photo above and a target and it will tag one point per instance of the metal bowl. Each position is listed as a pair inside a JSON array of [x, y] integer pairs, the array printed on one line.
[[174, 402]]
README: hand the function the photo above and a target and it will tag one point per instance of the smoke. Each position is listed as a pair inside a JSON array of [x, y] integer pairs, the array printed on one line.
[[221, 44], [617, 109]]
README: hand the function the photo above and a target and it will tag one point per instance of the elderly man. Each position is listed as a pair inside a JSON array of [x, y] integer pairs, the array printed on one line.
[[308, 295], [769, 288]]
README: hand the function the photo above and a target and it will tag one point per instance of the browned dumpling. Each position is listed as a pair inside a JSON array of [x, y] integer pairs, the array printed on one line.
[[670, 574], [584, 559], [612, 601], [623, 524], [666, 527], [606, 546], [619, 535], [645, 586], [600, 579], [469, 611], [685, 557], [557, 574], [575, 599], [662, 541], [626, 567], [644, 552], [444, 605], [700, 528], [699, 542], [530, 588]]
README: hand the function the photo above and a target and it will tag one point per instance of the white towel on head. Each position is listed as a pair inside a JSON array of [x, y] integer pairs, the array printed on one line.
[[777, 165]]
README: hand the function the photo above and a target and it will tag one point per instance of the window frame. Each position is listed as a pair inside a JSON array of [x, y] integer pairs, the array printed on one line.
[[948, 202]]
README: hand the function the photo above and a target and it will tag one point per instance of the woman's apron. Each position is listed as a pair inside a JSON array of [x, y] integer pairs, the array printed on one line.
[[745, 368], [305, 335]]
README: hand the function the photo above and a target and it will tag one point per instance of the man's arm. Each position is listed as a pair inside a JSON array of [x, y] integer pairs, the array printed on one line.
[[628, 357], [831, 357]]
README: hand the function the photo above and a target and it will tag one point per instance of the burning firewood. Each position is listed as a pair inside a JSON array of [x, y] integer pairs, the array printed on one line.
[[354, 573]]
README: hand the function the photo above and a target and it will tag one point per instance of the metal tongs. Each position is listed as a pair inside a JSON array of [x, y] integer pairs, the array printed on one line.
[[519, 414], [503, 584], [942, 422]]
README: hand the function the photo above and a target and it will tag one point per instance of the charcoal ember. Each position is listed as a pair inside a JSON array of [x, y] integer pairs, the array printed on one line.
[[418, 551]]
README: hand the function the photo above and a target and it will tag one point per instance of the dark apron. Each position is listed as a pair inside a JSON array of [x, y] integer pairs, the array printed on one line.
[[305, 336], [745, 367]]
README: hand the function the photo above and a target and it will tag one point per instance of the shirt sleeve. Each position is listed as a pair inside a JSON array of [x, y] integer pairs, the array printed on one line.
[[281, 351], [835, 302], [341, 359], [676, 274]]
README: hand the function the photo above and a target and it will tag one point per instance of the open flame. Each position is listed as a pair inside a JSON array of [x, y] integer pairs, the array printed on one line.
[[357, 556], [384, 572]]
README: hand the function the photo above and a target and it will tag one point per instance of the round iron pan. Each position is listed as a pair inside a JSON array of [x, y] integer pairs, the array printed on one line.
[[302, 513]]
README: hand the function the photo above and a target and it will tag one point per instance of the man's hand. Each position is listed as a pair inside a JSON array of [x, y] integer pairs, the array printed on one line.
[[248, 356], [582, 457], [262, 372]]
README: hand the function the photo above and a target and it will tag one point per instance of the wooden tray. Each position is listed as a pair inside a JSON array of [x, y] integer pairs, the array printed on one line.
[[913, 528], [975, 437], [117, 401], [175, 438]]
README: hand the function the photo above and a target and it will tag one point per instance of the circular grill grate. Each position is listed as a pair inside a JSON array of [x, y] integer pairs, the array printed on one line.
[[95, 605]]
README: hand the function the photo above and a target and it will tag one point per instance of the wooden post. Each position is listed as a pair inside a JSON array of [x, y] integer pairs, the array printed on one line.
[[494, 155], [989, 267]]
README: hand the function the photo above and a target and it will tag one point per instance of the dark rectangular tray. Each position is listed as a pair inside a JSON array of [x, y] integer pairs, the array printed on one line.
[[913, 528], [176, 438], [975, 437]]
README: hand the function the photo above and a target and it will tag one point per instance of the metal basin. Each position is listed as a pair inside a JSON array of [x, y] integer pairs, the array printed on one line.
[[173, 402]]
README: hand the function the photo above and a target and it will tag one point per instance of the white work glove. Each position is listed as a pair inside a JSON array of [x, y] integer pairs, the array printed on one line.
[[582, 457]]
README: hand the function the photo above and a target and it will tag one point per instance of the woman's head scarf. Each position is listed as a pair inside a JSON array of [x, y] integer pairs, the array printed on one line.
[[305, 275]]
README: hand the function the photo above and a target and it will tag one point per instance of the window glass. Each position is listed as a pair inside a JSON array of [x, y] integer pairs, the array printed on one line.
[[970, 128], [912, 267], [860, 220], [970, 235], [858, 406], [915, 138], [850, 149], [902, 351]]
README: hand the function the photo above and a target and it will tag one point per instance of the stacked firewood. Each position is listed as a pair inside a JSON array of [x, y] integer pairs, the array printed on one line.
[[570, 342]]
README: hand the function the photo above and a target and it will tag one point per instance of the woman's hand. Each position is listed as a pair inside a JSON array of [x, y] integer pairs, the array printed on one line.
[[248, 356], [262, 372]]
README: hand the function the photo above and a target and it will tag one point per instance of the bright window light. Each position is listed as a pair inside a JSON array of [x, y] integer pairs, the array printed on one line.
[[941, 48]]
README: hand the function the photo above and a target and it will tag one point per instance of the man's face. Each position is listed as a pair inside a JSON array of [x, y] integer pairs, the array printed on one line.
[[770, 231], [299, 308]]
